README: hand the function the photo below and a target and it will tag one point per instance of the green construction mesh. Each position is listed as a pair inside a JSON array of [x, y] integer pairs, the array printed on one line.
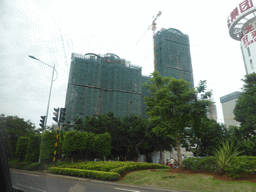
[[97, 86], [173, 55]]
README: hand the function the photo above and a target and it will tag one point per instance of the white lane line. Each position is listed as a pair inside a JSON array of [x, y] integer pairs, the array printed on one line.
[[126, 189], [30, 187]]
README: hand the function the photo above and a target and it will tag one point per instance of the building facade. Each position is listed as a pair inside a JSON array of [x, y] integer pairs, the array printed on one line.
[[228, 105]]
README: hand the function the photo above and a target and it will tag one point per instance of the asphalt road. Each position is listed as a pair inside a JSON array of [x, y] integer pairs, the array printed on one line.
[[30, 181]]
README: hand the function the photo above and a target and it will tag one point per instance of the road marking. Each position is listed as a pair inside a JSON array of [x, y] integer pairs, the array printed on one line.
[[127, 190], [30, 187]]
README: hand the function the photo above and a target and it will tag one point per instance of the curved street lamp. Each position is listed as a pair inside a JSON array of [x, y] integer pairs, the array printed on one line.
[[50, 87]]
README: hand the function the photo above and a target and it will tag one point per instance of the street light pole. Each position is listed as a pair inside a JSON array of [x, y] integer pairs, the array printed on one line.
[[53, 69]]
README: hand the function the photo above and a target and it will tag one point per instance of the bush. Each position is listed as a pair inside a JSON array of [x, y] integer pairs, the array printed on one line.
[[17, 164], [194, 164], [33, 149], [242, 166], [34, 167], [21, 148]]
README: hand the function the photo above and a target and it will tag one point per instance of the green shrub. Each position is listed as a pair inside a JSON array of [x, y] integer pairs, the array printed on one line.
[[21, 148], [17, 164], [34, 167], [241, 166], [195, 164], [224, 154], [109, 176], [33, 148]]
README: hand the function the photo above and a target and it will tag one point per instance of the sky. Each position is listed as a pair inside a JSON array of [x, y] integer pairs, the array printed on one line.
[[51, 30]]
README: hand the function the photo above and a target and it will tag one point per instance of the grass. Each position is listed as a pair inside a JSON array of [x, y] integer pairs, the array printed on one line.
[[161, 178], [190, 182]]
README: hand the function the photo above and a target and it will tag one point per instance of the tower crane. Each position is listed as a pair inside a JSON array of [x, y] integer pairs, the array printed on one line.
[[153, 27]]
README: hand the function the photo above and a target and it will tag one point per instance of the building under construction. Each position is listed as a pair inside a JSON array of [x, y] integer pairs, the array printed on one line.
[[172, 52], [99, 84], [102, 83]]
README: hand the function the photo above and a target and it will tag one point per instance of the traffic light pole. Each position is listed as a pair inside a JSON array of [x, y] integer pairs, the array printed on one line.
[[56, 143]]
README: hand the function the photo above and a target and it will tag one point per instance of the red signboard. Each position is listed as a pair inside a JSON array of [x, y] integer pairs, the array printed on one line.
[[244, 6]]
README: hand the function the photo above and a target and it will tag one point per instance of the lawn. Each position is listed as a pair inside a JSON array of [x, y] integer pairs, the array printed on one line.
[[182, 181]]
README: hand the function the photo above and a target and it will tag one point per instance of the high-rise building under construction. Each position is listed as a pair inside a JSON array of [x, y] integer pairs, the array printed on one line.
[[173, 58], [101, 83]]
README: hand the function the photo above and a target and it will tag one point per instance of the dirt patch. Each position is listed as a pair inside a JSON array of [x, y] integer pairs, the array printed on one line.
[[251, 178]]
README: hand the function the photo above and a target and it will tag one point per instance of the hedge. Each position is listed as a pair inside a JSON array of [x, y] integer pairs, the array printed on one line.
[[194, 164], [102, 175]]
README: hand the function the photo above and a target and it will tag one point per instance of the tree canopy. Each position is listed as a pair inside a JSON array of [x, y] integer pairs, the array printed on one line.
[[245, 109], [11, 128], [173, 106]]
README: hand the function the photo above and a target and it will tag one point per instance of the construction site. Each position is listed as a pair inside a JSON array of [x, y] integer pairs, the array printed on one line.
[[99, 84], [102, 83]]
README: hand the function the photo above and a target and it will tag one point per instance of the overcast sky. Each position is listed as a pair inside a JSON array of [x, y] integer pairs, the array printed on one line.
[[38, 27]]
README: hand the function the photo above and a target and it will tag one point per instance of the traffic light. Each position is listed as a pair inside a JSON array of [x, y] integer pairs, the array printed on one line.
[[56, 114], [42, 121], [62, 114]]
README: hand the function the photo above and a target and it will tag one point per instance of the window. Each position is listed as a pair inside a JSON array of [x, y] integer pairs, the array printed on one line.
[[249, 53], [251, 63]]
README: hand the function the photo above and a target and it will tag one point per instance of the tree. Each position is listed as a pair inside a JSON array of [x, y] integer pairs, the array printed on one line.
[[11, 128], [33, 148], [105, 123], [245, 109], [212, 133], [75, 143], [21, 148], [47, 146], [103, 145], [171, 106], [248, 145]]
